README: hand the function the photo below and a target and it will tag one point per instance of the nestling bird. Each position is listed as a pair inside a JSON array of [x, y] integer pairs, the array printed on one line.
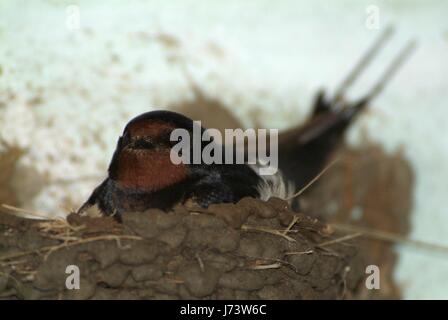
[[142, 175]]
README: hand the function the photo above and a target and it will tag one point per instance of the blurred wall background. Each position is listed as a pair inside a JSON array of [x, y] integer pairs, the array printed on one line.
[[72, 73]]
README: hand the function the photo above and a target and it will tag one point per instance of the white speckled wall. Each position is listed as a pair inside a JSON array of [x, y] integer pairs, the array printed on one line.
[[65, 94]]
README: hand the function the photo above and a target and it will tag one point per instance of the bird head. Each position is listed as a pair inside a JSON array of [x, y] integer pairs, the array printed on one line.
[[142, 157]]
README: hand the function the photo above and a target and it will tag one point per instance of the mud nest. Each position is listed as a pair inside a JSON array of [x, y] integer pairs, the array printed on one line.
[[251, 250]]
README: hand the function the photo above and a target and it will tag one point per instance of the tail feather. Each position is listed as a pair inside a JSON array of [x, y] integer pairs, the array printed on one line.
[[304, 151]]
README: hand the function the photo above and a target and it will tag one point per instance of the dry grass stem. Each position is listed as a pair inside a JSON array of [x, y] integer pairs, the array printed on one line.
[[267, 230], [51, 249], [339, 240], [293, 253], [24, 213], [390, 237], [291, 224], [309, 184], [267, 266]]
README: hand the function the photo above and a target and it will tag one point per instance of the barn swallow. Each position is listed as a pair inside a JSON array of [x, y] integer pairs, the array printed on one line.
[[142, 175]]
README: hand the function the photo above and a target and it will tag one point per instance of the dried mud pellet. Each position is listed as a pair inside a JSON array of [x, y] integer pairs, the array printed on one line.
[[326, 267], [303, 263], [114, 276], [250, 248], [166, 286], [28, 292], [272, 249], [173, 237], [225, 294], [146, 272], [200, 282], [232, 214], [165, 220], [104, 252], [278, 204], [283, 292], [242, 280], [221, 262], [242, 295], [142, 223], [203, 221], [175, 263], [276, 276], [254, 206], [285, 217], [141, 252], [184, 294], [227, 241], [224, 240], [131, 283]]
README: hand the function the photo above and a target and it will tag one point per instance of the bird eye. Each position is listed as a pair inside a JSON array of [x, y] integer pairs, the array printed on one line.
[[142, 144]]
